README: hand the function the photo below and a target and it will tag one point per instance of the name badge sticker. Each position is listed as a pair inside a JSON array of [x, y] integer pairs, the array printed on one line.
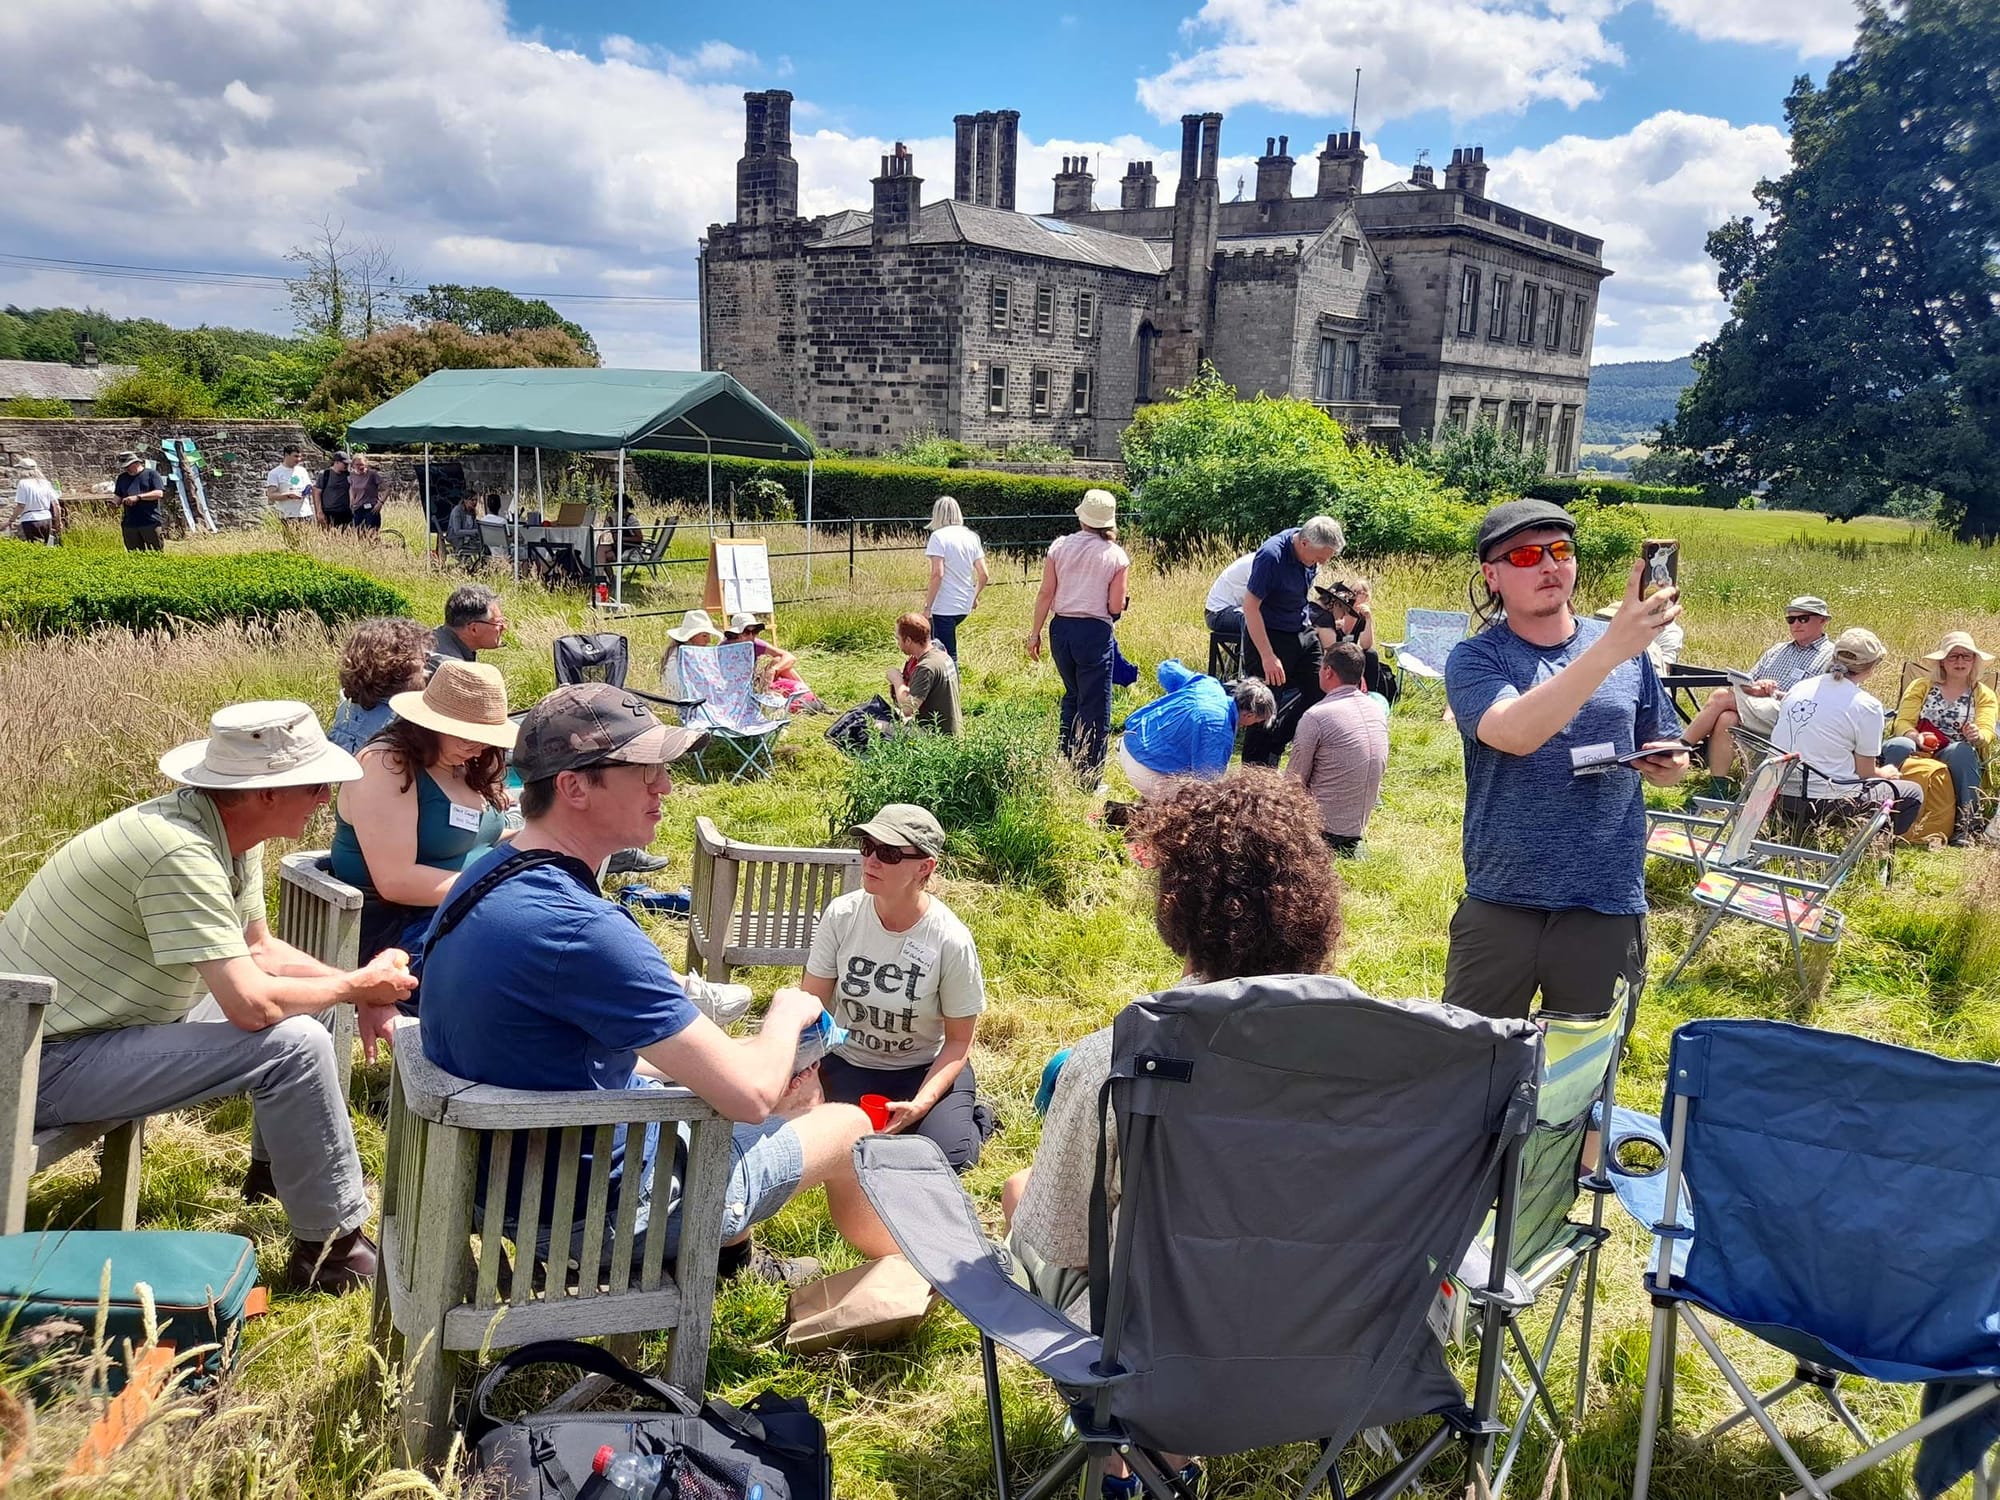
[[920, 955], [467, 818]]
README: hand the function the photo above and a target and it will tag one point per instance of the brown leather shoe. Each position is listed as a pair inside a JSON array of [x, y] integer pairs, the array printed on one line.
[[257, 1184], [339, 1265]]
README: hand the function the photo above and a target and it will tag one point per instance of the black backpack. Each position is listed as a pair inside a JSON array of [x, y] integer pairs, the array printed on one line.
[[771, 1448]]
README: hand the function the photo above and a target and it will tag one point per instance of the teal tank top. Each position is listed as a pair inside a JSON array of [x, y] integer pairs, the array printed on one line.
[[440, 845]]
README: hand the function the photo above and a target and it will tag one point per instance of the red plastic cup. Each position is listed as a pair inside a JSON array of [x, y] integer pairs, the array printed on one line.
[[876, 1107]]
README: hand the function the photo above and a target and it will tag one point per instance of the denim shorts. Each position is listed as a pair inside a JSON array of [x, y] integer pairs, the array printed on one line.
[[766, 1165]]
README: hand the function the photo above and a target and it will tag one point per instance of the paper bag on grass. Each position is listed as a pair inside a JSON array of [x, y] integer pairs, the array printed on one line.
[[872, 1304]]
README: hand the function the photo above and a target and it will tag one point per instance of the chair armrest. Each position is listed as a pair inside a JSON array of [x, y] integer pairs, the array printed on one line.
[[430, 1093], [919, 1200], [1740, 875], [1667, 815], [303, 869], [710, 839]]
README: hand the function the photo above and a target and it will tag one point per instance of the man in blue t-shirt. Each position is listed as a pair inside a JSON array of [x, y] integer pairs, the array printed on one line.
[[1555, 829], [1286, 653], [541, 983]]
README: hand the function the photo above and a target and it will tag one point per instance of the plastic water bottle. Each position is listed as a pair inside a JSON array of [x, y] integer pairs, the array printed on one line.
[[623, 1476], [816, 1041]]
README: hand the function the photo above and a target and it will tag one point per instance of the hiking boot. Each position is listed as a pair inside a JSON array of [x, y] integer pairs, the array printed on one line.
[[257, 1184], [338, 1265], [759, 1264], [1965, 824], [635, 862]]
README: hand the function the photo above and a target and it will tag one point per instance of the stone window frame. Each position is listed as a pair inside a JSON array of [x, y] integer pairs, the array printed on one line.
[[1545, 424], [1350, 370], [1086, 314], [1041, 387], [1045, 310], [1578, 323], [1350, 251], [1566, 440], [1517, 425], [1503, 308], [996, 388], [1079, 393], [1554, 335], [1000, 306], [1326, 370], [1531, 307], [1491, 412], [1458, 413], [1468, 302]]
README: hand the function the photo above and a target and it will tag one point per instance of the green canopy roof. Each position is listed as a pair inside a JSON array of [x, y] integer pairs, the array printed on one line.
[[685, 411]]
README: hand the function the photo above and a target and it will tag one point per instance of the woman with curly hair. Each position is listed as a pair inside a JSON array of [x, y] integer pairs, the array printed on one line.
[[382, 657], [431, 800]]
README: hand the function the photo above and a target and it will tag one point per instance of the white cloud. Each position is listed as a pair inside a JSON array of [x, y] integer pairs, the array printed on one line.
[[1652, 194], [1811, 28], [1466, 57], [241, 97]]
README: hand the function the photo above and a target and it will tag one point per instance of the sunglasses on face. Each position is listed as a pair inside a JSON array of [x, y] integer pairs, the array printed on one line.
[[1530, 554], [1799, 619], [652, 775], [888, 854]]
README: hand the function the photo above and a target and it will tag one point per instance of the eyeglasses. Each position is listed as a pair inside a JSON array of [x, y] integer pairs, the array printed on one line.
[[1799, 619], [888, 854], [650, 774], [1530, 554]]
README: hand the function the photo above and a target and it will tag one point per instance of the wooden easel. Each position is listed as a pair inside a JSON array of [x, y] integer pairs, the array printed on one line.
[[739, 578]]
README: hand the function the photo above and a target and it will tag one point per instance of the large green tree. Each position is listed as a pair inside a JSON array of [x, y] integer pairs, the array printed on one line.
[[1861, 359], [492, 309]]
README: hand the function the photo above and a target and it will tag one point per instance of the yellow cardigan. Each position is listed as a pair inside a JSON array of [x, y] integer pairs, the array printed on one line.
[[1985, 707]]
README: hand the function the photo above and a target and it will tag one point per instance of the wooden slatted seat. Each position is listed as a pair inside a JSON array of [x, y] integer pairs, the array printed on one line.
[[457, 1279], [320, 915], [756, 904]]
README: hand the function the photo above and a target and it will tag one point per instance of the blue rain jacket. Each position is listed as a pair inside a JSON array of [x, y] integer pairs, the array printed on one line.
[[1190, 731]]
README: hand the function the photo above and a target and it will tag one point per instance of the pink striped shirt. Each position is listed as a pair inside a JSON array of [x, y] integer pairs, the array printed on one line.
[[1085, 565]]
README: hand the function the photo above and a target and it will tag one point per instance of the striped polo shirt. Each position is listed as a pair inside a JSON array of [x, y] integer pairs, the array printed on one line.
[[122, 913]]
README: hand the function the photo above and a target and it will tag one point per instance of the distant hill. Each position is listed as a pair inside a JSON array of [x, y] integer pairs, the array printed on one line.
[[1628, 402]]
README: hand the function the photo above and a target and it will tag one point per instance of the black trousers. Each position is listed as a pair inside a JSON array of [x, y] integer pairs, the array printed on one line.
[[143, 539], [1298, 651], [951, 1121]]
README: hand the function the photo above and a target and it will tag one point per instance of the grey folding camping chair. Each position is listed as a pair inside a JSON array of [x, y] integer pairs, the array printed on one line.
[[1296, 1162], [1723, 836], [606, 657], [1428, 636], [1579, 1071]]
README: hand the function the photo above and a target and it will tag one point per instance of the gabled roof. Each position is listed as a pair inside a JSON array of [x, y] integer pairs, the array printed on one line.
[[49, 379], [951, 222]]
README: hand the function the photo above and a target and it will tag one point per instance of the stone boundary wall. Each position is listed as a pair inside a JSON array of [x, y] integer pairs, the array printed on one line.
[[1098, 470]]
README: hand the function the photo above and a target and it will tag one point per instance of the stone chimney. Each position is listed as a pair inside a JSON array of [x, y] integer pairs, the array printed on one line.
[[1138, 188], [1181, 311], [1073, 187], [983, 157], [1421, 176], [1467, 172], [1274, 170], [897, 197], [1211, 145], [87, 352], [1340, 165], [767, 179]]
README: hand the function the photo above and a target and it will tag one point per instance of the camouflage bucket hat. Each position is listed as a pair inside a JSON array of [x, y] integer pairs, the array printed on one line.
[[593, 724]]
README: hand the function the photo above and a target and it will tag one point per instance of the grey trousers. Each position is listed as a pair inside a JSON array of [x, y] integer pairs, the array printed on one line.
[[287, 1071]]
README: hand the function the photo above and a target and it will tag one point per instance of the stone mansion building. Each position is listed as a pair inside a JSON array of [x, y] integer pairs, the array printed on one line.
[[1398, 310]]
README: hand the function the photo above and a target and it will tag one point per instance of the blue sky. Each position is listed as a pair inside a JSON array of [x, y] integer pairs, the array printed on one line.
[[582, 146]]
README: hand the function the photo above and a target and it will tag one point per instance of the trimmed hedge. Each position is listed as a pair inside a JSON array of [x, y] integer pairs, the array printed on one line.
[[850, 487], [57, 590], [1625, 492]]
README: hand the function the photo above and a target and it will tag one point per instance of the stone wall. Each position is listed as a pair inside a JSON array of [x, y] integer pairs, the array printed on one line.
[[879, 343], [82, 453]]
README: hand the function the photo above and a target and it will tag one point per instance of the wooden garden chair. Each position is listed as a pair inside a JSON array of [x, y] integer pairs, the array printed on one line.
[[320, 915], [757, 904], [457, 1279]]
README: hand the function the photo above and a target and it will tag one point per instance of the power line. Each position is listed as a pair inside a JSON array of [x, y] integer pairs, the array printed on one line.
[[252, 280]]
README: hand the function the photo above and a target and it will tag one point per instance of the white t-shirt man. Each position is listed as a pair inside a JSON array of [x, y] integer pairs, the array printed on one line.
[[1230, 585], [960, 548], [1828, 721], [285, 486], [36, 498], [893, 990]]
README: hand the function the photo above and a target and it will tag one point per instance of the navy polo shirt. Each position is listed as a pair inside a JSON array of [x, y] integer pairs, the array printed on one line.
[[1280, 581]]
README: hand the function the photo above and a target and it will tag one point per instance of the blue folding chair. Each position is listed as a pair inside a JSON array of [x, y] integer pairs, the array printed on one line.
[[1848, 1193]]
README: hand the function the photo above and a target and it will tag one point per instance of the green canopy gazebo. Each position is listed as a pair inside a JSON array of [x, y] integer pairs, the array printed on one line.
[[586, 411]]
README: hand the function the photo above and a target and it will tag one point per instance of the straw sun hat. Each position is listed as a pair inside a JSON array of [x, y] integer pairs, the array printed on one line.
[[463, 698], [695, 624], [1957, 640]]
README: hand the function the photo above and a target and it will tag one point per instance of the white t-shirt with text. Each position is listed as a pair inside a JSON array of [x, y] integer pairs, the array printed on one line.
[[893, 990], [1828, 721], [293, 480], [960, 548]]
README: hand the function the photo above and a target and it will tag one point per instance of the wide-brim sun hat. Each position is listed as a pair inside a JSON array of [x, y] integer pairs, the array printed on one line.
[[1809, 604], [275, 743], [1098, 508], [693, 624], [127, 459], [743, 620], [1957, 640], [463, 698]]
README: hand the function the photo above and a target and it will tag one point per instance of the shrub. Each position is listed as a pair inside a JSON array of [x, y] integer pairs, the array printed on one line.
[[1624, 492], [34, 406], [844, 487], [371, 370], [158, 388], [1479, 461], [52, 590]]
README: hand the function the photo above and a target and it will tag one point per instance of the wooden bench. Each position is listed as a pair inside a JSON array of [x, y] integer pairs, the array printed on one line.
[[454, 1282], [23, 999], [757, 904], [320, 915]]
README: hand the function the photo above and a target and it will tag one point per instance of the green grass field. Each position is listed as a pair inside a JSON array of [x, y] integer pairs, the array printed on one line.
[[306, 1416]]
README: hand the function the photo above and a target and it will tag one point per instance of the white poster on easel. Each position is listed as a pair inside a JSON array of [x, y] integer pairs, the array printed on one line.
[[739, 577]]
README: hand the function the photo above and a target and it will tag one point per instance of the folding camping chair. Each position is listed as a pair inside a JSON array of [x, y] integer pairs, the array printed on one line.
[[1725, 837], [606, 657], [1578, 1075], [1297, 1160], [1428, 636], [1846, 1192], [740, 737]]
